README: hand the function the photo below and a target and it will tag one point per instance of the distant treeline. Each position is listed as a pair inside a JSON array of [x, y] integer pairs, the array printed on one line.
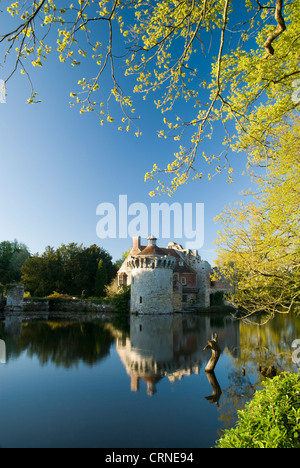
[[71, 269]]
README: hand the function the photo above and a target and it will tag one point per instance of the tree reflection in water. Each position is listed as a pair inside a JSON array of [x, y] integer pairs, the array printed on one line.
[[62, 343], [169, 347]]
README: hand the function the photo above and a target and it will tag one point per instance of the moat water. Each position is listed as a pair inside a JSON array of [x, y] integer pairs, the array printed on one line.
[[132, 383]]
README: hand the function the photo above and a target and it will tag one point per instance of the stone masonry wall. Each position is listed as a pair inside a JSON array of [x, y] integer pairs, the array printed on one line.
[[15, 298], [151, 291]]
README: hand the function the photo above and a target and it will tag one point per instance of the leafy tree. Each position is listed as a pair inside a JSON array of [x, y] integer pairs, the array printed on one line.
[[250, 60], [71, 269], [121, 260], [43, 274], [12, 256], [259, 247], [101, 279]]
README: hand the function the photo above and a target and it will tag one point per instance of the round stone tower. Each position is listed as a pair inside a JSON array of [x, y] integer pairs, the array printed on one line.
[[151, 280]]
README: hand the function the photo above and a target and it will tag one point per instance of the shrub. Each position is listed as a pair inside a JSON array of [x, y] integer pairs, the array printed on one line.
[[56, 295], [217, 298], [113, 288], [271, 419], [120, 301]]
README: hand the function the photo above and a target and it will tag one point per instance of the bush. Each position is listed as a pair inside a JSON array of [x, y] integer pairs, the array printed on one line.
[[120, 301], [271, 419], [217, 298], [56, 295], [113, 288]]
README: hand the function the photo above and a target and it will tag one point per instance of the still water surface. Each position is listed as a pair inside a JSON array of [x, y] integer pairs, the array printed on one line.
[[131, 383]]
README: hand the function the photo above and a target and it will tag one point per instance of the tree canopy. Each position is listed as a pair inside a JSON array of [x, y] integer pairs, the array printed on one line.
[[230, 63], [71, 269], [259, 245]]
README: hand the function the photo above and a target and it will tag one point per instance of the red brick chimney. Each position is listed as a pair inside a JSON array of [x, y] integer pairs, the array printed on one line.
[[136, 244]]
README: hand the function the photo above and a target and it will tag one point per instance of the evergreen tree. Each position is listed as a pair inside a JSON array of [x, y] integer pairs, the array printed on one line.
[[12, 257], [71, 269], [101, 279]]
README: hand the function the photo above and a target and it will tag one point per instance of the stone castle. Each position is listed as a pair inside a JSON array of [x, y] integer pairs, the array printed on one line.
[[166, 280]]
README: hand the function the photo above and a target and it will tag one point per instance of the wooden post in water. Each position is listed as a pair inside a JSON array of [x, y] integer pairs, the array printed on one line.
[[217, 392], [216, 353]]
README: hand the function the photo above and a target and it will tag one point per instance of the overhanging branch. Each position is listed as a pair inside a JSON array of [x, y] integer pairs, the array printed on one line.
[[281, 27]]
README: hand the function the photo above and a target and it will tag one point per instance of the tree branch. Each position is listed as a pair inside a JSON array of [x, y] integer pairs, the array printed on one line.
[[213, 345], [281, 27]]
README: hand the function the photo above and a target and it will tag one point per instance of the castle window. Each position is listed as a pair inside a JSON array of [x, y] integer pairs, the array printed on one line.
[[123, 279], [141, 300]]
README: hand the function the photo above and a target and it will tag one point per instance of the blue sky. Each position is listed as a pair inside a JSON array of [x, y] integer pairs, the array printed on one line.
[[57, 166]]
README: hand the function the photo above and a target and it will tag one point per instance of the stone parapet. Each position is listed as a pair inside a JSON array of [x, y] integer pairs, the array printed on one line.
[[141, 261]]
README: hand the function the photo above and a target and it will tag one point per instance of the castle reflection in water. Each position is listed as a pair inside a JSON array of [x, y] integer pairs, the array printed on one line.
[[157, 346], [172, 346]]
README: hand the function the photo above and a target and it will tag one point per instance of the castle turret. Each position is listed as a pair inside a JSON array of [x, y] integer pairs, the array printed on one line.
[[151, 280]]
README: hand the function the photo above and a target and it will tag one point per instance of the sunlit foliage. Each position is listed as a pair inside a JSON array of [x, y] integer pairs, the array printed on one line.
[[259, 246], [158, 50]]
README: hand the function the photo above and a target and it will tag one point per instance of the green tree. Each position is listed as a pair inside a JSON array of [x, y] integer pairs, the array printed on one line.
[[121, 260], [12, 256], [232, 64], [43, 274], [259, 246], [101, 279], [71, 269]]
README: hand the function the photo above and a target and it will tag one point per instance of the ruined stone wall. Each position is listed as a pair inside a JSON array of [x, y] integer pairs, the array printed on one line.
[[15, 298]]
